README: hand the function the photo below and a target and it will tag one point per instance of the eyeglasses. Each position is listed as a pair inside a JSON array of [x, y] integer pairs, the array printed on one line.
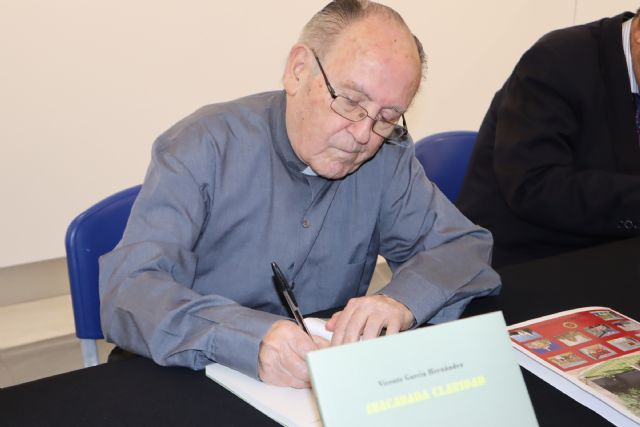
[[351, 110]]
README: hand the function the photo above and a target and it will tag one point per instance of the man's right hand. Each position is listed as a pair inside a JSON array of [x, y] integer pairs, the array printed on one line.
[[281, 360]]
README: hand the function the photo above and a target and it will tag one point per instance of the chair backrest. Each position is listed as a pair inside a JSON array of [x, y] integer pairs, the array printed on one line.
[[445, 157], [92, 234]]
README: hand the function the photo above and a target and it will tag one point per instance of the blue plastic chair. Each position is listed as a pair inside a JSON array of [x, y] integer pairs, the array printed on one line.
[[92, 234], [445, 157]]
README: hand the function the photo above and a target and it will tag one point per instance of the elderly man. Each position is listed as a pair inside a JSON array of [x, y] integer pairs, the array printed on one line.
[[320, 178]]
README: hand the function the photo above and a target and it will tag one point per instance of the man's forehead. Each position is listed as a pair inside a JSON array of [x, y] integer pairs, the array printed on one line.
[[358, 88], [378, 76], [377, 31], [359, 52]]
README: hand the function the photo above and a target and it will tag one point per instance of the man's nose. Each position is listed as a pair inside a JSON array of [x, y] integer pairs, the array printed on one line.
[[361, 130]]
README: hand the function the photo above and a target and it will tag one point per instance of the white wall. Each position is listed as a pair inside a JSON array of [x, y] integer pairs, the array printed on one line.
[[86, 86]]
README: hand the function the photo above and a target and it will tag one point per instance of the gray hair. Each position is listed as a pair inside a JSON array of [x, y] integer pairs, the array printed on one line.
[[321, 32]]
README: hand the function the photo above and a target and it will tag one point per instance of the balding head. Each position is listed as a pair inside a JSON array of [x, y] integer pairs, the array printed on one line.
[[371, 63], [323, 30]]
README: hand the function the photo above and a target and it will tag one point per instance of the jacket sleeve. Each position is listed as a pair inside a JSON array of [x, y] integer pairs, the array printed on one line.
[[440, 260]]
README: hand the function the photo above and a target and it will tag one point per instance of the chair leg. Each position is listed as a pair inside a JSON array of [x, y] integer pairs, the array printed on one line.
[[89, 352]]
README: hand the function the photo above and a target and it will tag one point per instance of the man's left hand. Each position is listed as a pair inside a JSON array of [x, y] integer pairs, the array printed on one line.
[[365, 317]]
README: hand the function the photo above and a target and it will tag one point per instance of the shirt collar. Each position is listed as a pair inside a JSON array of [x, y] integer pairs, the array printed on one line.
[[281, 138], [626, 46], [309, 171]]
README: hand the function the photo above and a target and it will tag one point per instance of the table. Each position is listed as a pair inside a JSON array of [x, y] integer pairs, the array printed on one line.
[[607, 275], [137, 392]]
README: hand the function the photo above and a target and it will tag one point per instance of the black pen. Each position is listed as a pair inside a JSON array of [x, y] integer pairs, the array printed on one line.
[[288, 296]]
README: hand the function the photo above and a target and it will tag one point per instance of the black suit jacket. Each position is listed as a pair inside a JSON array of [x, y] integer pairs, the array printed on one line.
[[556, 166]]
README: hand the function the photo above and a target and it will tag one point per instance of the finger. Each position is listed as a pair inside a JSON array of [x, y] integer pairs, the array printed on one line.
[[285, 379], [282, 353], [295, 360], [406, 317], [341, 323], [296, 383], [272, 371], [354, 329], [331, 323], [291, 371], [372, 328], [393, 326], [282, 378], [320, 342], [296, 368], [304, 344]]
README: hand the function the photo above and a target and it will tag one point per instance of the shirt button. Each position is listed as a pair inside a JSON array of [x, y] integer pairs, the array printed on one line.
[[306, 223]]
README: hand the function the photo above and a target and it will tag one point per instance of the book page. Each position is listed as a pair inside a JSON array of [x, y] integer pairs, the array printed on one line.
[[288, 406], [316, 326]]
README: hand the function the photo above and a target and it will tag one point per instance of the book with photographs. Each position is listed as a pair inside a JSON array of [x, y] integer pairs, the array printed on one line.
[[591, 354]]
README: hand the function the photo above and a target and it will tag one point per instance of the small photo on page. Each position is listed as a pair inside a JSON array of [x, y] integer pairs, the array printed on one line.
[[598, 352], [524, 335], [625, 343], [619, 376], [606, 315], [573, 338], [567, 360], [601, 330], [542, 346], [627, 325]]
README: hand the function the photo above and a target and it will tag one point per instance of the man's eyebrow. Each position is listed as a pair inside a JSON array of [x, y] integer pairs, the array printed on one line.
[[357, 87], [354, 86]]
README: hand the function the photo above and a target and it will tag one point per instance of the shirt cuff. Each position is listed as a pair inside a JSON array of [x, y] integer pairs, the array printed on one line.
[[424, 302], [237, 345]]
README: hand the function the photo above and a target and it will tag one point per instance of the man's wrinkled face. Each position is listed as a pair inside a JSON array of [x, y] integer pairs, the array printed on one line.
[[378, 70]]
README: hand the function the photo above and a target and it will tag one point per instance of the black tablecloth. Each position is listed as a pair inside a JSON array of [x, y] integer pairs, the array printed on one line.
[[133, 392], [137, 392], [607, 275]]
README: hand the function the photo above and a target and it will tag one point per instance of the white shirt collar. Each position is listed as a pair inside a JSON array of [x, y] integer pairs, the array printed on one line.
[[309, 171], [626, 46]]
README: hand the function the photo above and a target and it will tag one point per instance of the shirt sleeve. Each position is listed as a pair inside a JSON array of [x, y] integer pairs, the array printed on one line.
[[440, 260], [147, 302]]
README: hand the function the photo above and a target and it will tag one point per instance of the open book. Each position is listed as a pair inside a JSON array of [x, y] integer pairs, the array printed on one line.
[[591, 354]]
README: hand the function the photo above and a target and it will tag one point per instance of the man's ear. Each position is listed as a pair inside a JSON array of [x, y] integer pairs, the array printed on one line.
[[635, 30], [297, 68]]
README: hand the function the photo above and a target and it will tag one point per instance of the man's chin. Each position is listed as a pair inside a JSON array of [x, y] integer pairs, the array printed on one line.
[[337, 172], [337, 167]]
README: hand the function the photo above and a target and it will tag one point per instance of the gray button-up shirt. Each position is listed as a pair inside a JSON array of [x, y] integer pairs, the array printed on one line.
[[224, 196]]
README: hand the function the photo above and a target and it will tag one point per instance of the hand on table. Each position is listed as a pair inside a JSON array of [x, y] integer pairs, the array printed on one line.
[[281, 360], [366, 317]]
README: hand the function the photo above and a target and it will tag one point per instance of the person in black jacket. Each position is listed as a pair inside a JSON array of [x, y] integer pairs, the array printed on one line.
[[556, 166]]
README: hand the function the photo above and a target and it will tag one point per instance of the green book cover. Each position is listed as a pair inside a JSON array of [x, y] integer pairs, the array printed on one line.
[[461, 373]]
